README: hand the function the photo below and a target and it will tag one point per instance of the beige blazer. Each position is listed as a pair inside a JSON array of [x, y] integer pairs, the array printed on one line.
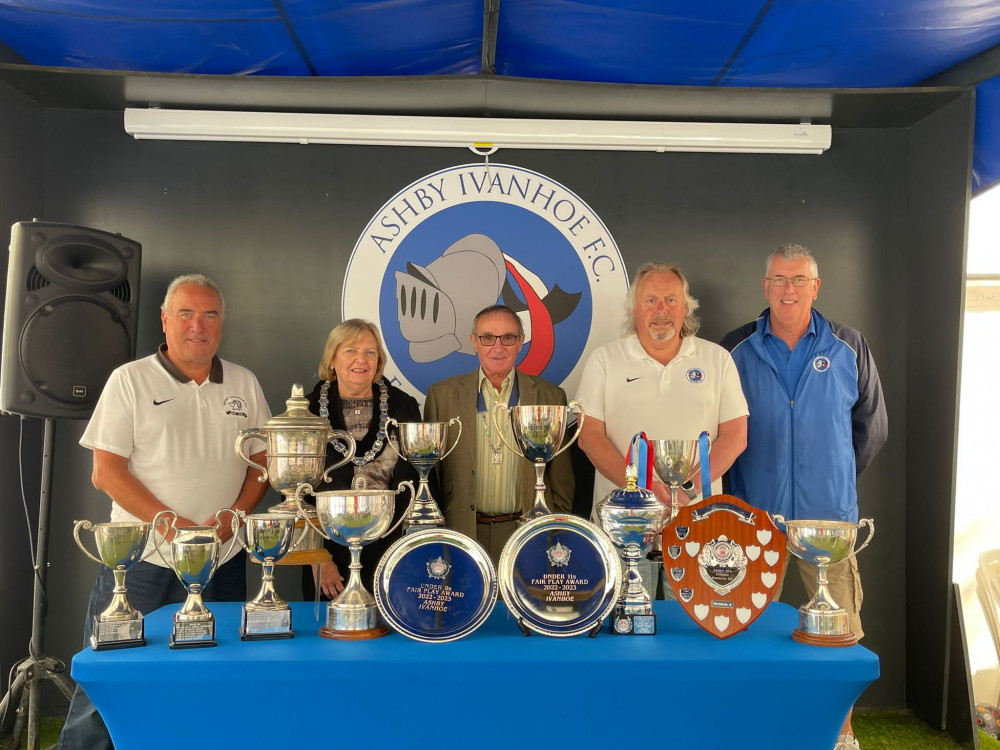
[[457, 396]]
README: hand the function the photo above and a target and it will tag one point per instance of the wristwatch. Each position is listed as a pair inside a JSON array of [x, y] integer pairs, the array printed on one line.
[[688, 487]]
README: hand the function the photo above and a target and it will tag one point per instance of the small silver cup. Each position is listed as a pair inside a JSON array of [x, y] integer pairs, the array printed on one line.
[[539, 432], [675, 462], [269, 538], [120, 545], [422, 445], [823, 622], [195, 553]]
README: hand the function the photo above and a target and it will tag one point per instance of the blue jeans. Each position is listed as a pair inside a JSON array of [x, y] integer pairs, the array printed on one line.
[[149, 588]]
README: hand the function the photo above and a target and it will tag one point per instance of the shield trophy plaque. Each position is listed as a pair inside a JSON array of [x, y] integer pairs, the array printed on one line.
[[296, 454], [120, 545], [195, 554], [823, 622], [422, 445], [539, 431]]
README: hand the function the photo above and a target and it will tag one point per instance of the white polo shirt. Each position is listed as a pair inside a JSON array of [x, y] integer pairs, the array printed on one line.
[[179, 437], [631, 392]]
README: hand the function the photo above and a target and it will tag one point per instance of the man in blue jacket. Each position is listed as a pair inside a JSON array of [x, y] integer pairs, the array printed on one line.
[[817, 417]]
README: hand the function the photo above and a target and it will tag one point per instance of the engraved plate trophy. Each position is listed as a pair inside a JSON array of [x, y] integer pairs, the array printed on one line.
[[422, 445], [195, 554], [120, 545], [296, 454], [823, 622], [539, 432], [355, 518]]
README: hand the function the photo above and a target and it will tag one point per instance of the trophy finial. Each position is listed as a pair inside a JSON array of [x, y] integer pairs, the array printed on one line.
[[631, 477]]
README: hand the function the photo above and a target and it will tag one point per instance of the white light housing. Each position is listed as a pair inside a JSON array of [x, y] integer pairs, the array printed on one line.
[[482, 133]]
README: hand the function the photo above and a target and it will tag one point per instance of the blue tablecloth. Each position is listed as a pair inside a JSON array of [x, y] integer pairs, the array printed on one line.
[[681, 688]]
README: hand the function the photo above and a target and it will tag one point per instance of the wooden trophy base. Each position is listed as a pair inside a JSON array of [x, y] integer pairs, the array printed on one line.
[[829, 641], [305, 557], [353, 635]]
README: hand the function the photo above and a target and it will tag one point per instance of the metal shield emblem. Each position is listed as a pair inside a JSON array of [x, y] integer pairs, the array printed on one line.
[[681, 531]]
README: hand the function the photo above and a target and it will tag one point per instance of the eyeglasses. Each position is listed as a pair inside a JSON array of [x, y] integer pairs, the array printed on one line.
[[796, 280], [507, 339]]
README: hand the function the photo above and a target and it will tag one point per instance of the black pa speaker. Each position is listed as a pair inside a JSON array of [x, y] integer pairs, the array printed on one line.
[[70, 319]]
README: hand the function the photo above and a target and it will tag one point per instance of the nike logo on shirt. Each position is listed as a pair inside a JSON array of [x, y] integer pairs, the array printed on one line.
[[159, 403], [629, 380]]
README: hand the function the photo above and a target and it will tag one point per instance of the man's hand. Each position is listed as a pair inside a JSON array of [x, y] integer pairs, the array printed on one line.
[[328, 579]]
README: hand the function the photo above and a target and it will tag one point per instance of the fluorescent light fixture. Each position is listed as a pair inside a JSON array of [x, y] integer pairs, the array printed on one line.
[[481, 133]]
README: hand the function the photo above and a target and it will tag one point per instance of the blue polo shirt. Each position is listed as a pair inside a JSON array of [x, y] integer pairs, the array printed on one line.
[[790, 363]]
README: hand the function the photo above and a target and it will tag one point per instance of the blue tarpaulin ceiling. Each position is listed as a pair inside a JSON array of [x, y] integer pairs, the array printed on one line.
[[725, 43]]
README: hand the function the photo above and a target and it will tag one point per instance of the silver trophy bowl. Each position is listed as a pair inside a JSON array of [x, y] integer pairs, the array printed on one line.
[[675, 462], [422, 445], [539, 431], [269, 539], [823, 622]]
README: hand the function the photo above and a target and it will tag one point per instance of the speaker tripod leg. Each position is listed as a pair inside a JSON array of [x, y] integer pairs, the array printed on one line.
[[10, 706]]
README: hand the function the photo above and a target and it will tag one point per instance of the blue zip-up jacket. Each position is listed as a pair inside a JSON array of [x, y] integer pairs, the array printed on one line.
[[804, 453]]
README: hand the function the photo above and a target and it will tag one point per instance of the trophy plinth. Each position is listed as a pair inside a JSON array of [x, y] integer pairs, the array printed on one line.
[[539, 431], [356, 518], [633, 517], [422, 445], [823, 622], [269, 539], [296, 455]]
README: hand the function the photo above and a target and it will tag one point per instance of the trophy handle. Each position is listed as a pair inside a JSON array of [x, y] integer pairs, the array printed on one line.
[[496, 409], [237, 517], [86, 526], [352, 449], [302, 535], [159, 518], [453, 420], [413, 497], [241, 440], [871, 532], [234, 525], [392, 421], [579, 425], [777, 518], [302, 489]]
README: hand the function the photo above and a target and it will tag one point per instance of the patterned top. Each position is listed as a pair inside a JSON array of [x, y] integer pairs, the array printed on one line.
[[498, 484]]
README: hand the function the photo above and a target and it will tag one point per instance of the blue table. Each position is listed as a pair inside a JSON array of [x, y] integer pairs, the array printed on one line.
[[756, 690]]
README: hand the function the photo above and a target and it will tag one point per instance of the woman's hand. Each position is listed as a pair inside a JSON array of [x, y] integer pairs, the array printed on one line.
[[328, 579]]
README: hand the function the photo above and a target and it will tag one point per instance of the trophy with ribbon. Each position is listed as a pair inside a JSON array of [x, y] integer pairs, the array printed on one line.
[[422, 445], [296, 454], [195, 554], [539, 431], [120, 545], [823, 622]]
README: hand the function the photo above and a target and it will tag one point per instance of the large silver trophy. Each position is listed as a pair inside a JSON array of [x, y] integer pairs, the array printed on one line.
[[539, 432], [195, 553], [269, 538], [823, 622], [356, 518], [675, 462], [120, 545], [633, 518], [296, 454], [422, 445]]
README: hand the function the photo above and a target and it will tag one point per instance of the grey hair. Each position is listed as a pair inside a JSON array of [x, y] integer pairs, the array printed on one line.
[[193, 279], [498, 308], [792, 251], [691, 322]]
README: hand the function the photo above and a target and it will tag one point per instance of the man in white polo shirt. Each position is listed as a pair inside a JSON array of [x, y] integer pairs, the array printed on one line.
[[162, 436], [663, 380]]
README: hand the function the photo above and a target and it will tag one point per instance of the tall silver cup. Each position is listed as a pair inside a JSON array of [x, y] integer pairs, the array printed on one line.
[[119, 545], [675, 462], [356, 518], [194, 555], [422, 445], [539, 432], [823, 622]]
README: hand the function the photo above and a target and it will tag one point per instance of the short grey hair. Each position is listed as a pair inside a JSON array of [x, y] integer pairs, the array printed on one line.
[[192, 279], [501, 309], [792, 251], [691, 322]]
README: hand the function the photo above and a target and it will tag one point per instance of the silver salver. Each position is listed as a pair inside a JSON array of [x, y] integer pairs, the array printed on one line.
[[560, 575], [436, 585]]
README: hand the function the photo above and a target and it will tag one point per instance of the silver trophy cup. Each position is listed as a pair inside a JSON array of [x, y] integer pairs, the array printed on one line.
[[675, 462], [356, 518], [119, 545], [633, 518], [823, 622], [422, 445], [195, 553], [296, 454], [539, 432], [269, 538]]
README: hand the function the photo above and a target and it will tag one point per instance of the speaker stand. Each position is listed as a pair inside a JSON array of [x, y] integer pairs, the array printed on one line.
[[24, 694]]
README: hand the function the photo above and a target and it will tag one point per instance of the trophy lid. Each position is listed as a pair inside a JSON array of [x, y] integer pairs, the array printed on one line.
[[631, 495], [297, 416]]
